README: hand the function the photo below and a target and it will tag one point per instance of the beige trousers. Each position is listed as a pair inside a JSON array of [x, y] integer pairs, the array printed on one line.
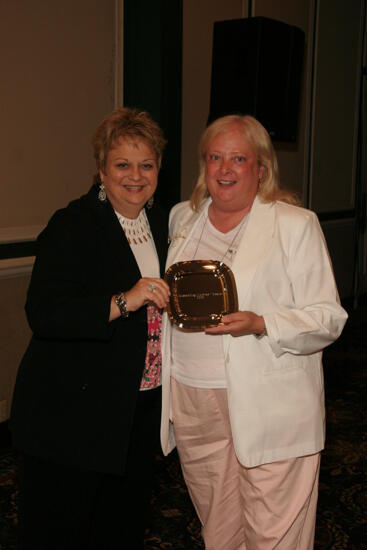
[[272, 506]]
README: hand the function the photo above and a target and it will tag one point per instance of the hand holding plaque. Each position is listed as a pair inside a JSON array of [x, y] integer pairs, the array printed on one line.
[[201, 292]]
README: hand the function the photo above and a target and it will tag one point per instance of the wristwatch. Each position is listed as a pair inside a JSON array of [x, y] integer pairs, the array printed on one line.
[[121, 304]]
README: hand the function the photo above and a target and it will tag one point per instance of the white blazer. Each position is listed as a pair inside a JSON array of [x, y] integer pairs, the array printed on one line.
[[274, 383]]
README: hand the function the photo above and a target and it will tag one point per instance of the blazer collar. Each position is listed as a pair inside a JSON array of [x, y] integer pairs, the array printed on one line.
[[185, 230]]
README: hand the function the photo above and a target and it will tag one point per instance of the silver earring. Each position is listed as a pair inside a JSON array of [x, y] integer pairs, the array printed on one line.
[[150, 203], [102, 193]]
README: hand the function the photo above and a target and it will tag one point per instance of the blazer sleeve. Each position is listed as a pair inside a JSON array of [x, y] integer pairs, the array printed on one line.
[[315, 318], [64, 301]]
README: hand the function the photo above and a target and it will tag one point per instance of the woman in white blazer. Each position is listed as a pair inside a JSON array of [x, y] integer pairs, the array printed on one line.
[[244, 401]]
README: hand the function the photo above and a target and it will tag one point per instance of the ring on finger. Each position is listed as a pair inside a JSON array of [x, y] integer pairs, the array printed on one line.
[[152, 287]]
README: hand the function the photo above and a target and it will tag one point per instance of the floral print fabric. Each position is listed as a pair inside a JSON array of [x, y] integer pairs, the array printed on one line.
[[153, 361]]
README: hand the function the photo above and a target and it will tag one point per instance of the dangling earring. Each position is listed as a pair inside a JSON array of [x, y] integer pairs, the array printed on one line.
[[102, 193], [150, 203]]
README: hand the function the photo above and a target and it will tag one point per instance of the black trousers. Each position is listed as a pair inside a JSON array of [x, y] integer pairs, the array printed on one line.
[[62, 508]]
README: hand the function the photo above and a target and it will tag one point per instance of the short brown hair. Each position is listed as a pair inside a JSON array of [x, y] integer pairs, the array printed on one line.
[[130, 124]]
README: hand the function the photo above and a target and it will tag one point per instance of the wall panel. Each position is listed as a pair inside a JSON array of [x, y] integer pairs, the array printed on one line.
[[335, 116], [198, 19]]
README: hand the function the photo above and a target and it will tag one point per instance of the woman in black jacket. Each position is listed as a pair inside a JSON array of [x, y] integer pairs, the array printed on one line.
[[86, 407]]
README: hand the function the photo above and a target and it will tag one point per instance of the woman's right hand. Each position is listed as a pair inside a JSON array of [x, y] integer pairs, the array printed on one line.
[[147, 290]]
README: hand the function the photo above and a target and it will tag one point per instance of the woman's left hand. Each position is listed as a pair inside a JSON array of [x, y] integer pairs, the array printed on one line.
[[240, 323]]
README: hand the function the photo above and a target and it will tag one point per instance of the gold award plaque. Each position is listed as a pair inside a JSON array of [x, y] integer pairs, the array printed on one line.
[[201, 292]]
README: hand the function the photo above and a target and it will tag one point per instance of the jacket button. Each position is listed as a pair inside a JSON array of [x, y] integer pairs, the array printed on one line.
[[84, 387]]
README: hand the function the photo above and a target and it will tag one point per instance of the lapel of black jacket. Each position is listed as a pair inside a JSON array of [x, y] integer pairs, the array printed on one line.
[[122, 263]]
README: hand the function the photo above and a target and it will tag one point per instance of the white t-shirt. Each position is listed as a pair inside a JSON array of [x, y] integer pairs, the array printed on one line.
[[198, 358], [141, 242]]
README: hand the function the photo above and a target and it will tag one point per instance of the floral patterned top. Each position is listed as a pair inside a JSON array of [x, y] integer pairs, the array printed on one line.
[[153, 361]]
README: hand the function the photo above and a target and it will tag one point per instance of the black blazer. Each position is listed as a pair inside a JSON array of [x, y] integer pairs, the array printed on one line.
[[78, 382]]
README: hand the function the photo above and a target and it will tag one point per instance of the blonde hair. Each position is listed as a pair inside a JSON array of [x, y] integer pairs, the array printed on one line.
[[129, 124], [258, 138]]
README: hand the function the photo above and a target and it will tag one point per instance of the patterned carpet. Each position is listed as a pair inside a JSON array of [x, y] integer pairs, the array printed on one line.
[[342, 516]]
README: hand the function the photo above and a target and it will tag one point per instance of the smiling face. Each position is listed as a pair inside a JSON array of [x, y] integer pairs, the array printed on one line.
[[232, 171], [130, 176]]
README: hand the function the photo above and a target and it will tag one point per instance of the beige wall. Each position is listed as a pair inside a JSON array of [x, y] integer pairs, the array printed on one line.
[[58, 69]]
